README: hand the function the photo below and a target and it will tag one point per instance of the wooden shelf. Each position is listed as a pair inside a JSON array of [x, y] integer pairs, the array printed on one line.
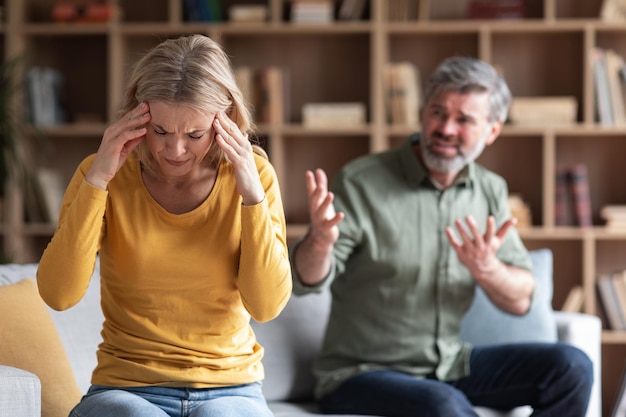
[[546, 54]]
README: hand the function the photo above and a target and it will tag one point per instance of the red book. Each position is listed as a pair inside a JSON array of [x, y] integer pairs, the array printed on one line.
[[579, 184], [562, 214], [496, 9]]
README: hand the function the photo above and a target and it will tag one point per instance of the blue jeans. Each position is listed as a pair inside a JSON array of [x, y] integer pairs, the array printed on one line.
[[555, 379], [240, 401]]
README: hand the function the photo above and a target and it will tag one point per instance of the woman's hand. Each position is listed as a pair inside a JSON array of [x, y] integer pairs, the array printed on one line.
[[239, 151], [118, 141]]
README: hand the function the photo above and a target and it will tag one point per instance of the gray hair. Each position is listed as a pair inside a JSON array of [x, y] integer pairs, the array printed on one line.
[[465, 75]]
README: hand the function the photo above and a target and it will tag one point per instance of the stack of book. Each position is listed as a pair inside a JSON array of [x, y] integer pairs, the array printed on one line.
[[403, 93], [609, 76], [44, 96], [543, 111], [615, 217], [248, 13], [573, 200], [402, 10], [266, 90], [352, 9], [612, 295], [333, 115], [312, 11], [520, 210], [613, 11], [575, 300]]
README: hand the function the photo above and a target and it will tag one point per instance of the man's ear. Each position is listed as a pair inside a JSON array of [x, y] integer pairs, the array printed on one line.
[[494, 132]]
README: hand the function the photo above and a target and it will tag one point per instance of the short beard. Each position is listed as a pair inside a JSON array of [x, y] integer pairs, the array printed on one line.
[[438, 164]]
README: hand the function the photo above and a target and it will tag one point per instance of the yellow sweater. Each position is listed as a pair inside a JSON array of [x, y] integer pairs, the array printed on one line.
[[177, 291]]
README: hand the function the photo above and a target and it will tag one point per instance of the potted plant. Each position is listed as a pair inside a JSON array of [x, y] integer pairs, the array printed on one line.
[[15, 146]]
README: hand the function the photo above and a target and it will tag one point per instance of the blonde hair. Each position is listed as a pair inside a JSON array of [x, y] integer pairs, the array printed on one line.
[[191, 70]]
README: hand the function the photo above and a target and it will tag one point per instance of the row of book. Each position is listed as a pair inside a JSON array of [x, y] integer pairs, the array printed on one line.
[[43, 98], [403, 93], [614, 216], [609, 76], [266, 89], [572, 200], [612, 295], [43, 195], [402, 10], [496, 9], [325, 11], [202, 10]]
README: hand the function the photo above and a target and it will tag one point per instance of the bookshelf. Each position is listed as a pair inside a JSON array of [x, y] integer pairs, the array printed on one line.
[[545, 54]]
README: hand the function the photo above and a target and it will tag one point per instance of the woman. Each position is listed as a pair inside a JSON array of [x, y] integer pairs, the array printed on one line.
[[188, 222]]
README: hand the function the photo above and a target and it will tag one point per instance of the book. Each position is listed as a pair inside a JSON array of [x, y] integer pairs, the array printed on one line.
[[572, 196], [520, 210], [43, 98], [202, 10], [496, 9], [579, 185], [543, 111], [614, 64], [312, 11], [575, 300], [403, 93], [266, 90], [351, 10], [246, 13], [614, 216], [51, 189], [403, 10], [333, 115], [602, 93], [610, 303], [619, 407], [613, 11], [618, 280], [562, 203]]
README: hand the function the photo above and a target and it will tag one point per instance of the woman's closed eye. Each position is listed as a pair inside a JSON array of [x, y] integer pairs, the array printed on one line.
[[191, 135]]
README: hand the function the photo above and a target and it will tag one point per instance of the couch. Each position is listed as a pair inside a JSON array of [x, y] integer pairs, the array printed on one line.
[[46, 357]]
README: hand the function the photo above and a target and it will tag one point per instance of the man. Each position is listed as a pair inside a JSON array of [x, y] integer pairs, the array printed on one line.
[[403, 238]]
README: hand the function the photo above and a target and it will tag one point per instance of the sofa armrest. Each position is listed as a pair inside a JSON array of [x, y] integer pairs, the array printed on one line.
[[20, 393], [585, 332]]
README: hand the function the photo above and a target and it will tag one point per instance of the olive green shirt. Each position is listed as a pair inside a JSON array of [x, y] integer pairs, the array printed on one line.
[[399, 290]]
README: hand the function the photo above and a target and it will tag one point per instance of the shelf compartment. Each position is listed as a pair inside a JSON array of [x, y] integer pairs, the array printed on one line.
[[603, 156], [302, 153], [568, 9], [508, 156], [527, 63], [88, 69], [567, 264], [310, 62], [426, 49], [136, 11], [613, 369], [64, 154]]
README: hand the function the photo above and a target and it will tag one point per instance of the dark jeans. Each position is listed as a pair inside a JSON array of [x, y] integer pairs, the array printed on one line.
[[554, 379]]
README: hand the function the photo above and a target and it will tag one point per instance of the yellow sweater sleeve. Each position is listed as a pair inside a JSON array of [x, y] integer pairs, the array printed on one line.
[[69, 259]]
